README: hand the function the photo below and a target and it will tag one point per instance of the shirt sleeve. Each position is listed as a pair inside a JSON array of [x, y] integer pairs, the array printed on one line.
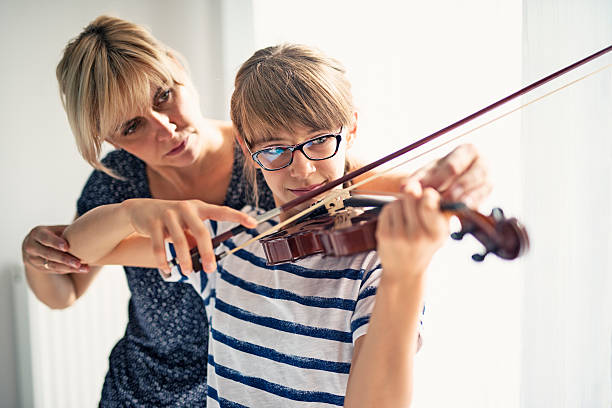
[[366, 297], [102, 189]]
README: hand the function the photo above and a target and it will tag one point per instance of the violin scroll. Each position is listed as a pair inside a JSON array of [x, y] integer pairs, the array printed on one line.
[[504, 237]]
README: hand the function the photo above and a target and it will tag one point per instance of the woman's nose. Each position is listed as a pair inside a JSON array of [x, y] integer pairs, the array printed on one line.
[[164, 127]]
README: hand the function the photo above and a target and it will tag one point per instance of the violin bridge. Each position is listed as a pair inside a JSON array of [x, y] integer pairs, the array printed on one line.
[[336, 203]]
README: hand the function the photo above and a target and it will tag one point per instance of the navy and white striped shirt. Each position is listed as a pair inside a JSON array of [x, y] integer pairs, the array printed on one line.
[[282, 336]]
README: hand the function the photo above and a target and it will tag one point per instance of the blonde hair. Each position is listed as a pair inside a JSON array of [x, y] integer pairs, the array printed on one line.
[[107, 70], [285, 86]]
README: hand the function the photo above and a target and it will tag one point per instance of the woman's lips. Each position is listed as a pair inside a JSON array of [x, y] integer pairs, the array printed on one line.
[[304, 190], [178, 149]]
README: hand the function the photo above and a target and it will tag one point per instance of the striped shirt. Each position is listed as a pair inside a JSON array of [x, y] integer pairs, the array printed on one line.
[[282, 336]]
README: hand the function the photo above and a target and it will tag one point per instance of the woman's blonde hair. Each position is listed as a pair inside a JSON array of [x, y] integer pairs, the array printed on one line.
[[285, 86], [107, 70]]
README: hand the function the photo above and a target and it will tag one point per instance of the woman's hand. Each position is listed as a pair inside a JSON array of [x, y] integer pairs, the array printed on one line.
[[44, 249], [181, 223], [410, 230]]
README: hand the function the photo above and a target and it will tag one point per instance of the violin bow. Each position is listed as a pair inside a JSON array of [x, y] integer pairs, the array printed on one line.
[[333, 195]]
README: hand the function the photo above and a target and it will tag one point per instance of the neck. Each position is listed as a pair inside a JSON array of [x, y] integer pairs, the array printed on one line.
[[213, 162]]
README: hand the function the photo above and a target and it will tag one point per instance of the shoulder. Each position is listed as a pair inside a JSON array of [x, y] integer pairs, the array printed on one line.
[[102, 188], [124, 164]]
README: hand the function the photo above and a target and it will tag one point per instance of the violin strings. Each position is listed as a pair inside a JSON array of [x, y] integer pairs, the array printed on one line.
[[335, 193]]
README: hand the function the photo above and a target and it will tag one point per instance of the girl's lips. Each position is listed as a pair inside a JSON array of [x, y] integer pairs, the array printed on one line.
[[305, 190], [178, 149]]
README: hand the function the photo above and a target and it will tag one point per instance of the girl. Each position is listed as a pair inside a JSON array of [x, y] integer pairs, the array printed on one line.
[[307, 333]]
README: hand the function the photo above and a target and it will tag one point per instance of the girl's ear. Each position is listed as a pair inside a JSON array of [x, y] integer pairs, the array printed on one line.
[[351, 131], [241, 143], [243, 147]]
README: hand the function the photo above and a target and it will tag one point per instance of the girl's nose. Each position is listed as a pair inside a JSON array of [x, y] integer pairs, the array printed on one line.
[[301, 166]]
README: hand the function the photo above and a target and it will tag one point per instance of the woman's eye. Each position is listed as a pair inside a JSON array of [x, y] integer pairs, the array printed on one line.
[[163, 97], [131, 127]]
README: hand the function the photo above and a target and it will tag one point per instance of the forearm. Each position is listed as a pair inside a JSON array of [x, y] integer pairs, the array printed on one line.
[[96, 233], [58, 291], [381, 372]]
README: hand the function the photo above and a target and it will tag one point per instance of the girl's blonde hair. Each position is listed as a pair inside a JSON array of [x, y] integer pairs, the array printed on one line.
[[285, 86], [107, 70]]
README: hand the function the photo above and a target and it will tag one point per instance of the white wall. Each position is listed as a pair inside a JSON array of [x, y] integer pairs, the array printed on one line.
[[567, 183], [42, 170]]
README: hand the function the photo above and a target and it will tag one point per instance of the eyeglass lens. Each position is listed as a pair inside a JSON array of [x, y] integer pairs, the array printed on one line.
[[280, 156]]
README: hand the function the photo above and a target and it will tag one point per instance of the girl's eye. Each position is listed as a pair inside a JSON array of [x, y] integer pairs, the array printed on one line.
[[131, 127], [319, 140], [162, 97], [273, 151]]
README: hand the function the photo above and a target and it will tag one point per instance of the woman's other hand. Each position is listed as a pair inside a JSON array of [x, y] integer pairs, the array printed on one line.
[[180, 222], [45, 250]]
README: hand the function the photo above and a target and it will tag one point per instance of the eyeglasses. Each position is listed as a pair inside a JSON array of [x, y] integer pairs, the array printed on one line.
[[278, 157]]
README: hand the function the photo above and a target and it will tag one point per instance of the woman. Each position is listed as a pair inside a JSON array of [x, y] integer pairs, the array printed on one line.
[[120, 85]]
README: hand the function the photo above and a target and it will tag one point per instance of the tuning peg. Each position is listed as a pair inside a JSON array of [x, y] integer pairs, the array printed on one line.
[[458, 236], [461, 233], [479, 257], [498, 214]]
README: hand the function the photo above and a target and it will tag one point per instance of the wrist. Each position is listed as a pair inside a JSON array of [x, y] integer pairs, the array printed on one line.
[[127, 209], [401, 280]]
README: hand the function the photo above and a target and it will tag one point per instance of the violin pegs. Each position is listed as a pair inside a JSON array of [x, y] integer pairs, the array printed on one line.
[[479, 257], [458, 236], [498, 214]]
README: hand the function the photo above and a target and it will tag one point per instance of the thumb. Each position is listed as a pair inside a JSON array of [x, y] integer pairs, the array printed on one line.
[[412, 186]]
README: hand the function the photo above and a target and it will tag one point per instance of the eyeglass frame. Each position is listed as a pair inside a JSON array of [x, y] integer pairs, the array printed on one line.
[[300, 147]]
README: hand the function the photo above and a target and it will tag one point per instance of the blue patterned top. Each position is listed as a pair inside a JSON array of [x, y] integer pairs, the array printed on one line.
[[161, 359]]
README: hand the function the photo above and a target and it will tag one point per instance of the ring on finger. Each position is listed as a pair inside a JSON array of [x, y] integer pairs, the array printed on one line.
[[46, 264]]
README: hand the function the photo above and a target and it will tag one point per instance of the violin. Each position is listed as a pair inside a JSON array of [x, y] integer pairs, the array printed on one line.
[[323, 234]]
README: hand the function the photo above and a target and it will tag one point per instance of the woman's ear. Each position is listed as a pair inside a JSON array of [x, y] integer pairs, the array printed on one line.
[[351, 131]]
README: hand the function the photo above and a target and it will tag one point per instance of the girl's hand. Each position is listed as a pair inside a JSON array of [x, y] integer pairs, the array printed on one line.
[[410, 230], [181, 223], [45, 250], [461, 175]]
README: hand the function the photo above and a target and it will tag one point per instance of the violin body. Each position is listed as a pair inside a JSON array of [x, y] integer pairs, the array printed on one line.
[[321, 235], [356, 232]]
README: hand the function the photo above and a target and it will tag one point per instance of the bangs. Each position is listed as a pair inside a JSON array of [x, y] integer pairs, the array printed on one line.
[[130, 90], [277, 97]]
